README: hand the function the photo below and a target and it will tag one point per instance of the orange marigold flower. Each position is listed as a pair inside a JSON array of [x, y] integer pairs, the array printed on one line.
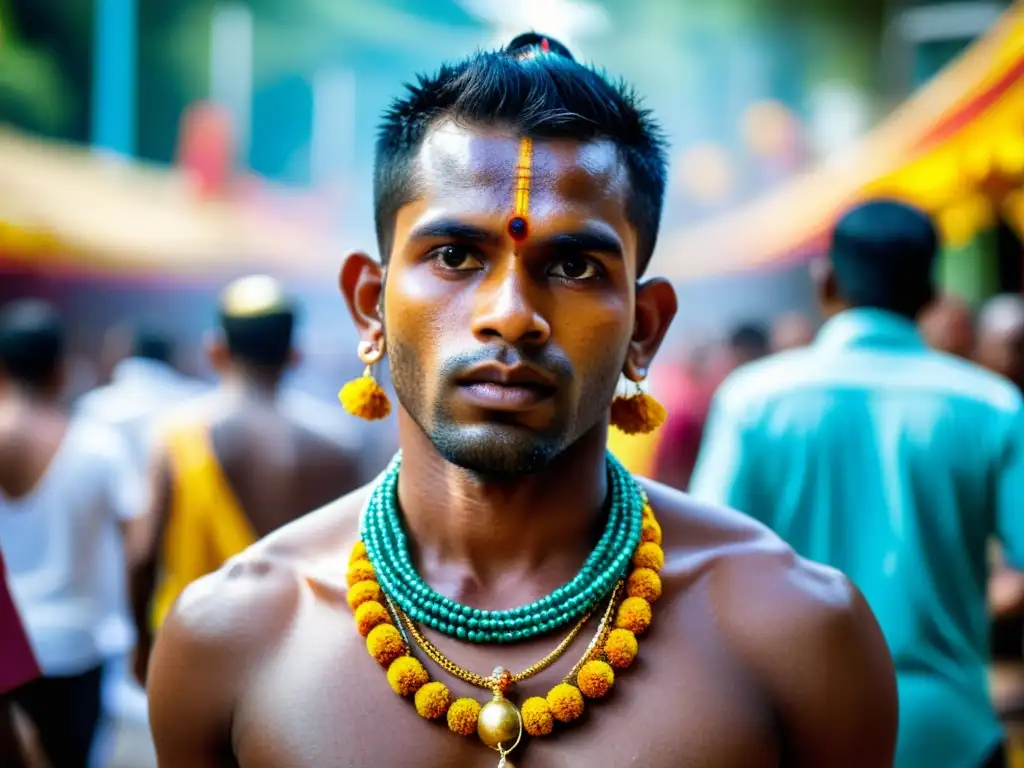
[[360, 570], [649, 555], [406, 676], [595, 679], [369, 615], [385, 644], [637, 415], [364, 398], [644, 583], [651, 531], [358, 552], [634, 614], [432, 700], [621, 648], [463, 716], [363, 592], [566, 702], [537, 717]]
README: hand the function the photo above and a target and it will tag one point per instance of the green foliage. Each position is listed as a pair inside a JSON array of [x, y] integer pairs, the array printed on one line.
[[33, 92]]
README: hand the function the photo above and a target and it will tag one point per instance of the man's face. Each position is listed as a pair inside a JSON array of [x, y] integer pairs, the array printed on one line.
[[506, 352]]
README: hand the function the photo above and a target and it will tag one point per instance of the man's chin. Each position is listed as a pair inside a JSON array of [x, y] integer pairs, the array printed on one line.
[[498, 450]]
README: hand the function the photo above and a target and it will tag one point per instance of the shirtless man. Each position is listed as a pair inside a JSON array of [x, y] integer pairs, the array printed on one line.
[[506, 344], [236, 464]]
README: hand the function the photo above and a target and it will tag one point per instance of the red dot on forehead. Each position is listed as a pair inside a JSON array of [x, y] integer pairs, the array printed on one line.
[[518, 228]]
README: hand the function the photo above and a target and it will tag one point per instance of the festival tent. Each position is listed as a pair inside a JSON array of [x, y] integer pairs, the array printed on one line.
[[64, 209], [955, 148]]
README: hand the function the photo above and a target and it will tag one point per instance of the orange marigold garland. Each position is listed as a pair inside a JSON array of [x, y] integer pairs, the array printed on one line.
[[616, 648]]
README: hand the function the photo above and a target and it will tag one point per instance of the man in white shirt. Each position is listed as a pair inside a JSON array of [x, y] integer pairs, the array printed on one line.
[[65, 483]]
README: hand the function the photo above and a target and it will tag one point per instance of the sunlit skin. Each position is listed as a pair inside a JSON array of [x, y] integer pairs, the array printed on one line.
[[756, 659]]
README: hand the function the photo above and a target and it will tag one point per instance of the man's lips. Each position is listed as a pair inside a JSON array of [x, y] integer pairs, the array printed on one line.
[[505, 388]]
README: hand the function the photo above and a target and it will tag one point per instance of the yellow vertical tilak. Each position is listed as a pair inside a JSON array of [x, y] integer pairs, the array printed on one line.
[[524, 174]]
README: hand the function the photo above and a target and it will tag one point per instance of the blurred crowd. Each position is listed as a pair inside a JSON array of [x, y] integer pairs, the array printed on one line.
[[152, 478], [112, 501]]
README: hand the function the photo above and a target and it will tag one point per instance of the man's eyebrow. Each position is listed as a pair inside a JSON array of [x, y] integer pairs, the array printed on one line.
[[450, 229], [588, 240]]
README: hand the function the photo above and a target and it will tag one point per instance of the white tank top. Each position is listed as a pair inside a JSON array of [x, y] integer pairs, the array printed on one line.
[[53, 542]]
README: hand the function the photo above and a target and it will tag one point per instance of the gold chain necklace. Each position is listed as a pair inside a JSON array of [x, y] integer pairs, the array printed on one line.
[[506, 680], [499, 723]]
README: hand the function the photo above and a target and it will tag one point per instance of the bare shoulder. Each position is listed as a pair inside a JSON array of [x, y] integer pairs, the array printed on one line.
[[802, 630], [226, 625], [698, 538], [248, 603]]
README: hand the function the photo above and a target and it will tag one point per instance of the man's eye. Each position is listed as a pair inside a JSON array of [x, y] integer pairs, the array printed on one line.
[[574, 268], [456, 258]]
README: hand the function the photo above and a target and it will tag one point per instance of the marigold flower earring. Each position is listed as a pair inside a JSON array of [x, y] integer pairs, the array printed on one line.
[[364, 397]]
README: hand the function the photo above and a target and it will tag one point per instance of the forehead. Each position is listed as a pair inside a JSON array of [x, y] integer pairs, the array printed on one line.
[[478, 165]]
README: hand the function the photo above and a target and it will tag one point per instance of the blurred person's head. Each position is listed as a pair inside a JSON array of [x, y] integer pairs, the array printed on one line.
[[257, 320], [747, 342], [792, 331], [517, 198], [32, 349], [150, 343], [1000, 345], [947, 325], [882, 256]]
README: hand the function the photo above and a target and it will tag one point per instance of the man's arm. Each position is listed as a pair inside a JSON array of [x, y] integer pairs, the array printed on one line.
[[810, 638], [207, 648]]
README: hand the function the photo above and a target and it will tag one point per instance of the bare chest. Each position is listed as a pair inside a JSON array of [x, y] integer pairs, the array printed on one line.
[[321, 701]]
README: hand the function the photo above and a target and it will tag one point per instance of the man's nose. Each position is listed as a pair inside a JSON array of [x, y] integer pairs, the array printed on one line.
[[506, 311]]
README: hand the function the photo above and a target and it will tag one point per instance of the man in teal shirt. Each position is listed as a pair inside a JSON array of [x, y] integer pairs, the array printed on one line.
[[893, 463]]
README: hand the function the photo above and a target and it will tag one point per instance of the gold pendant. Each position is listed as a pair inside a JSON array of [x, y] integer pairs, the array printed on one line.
[[499, 725]]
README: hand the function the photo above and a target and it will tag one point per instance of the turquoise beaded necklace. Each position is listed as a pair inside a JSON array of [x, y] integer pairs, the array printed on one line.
[[387, 548]]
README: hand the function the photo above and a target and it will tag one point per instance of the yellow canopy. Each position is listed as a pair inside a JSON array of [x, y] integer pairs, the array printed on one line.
[[956, 148], [64, 207]]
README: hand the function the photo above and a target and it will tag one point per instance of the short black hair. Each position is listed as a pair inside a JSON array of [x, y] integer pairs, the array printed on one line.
[[258, 320], [151, 344], [750, 338], [883, 255], [535, 86], [32, 343]]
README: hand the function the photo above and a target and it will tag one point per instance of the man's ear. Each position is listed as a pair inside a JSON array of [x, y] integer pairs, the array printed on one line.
[[361, 280], [656, 305]]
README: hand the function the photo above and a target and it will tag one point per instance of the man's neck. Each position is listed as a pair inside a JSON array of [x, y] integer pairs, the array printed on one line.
[[251, 386], [476, 532]]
